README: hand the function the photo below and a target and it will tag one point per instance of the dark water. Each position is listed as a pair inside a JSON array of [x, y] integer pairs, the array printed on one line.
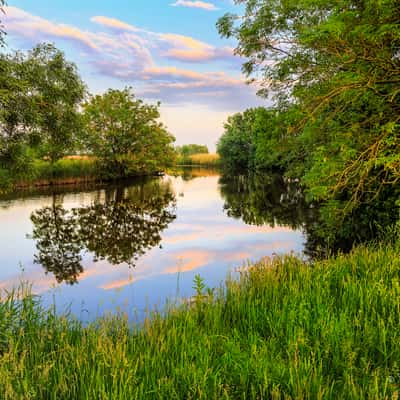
[[130, 246]]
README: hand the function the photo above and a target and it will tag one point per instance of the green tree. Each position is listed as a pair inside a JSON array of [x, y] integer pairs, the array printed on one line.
[[2, 31], [40, 93], [338, 62], [19, 120], [236, 146], [187, 150], [59, 92], [126, 135]]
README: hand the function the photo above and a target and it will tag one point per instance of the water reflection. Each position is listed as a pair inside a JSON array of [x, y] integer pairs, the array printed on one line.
[[119, 226], [58, 242], [189, 173], [260, 199], [127, 223]]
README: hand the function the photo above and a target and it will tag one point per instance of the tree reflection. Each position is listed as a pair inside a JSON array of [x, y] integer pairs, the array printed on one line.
[[119, 226], [121, 230], [58, 242], [269, 200], [260, 199], [264, 199]]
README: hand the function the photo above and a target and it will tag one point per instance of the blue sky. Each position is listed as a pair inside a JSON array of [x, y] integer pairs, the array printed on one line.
[[167, 50]]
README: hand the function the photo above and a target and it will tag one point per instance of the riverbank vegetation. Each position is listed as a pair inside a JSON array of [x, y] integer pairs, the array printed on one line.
[[190, 149], [332, 70], [46, 114], [285, 329], [200, 160], [196, 155]]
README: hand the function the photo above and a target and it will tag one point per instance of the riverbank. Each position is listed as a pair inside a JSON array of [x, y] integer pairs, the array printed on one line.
[[67, 171], [284, 329], [73, 170]]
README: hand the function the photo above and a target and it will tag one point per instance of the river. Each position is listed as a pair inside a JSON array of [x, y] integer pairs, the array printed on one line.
[[128, 247]]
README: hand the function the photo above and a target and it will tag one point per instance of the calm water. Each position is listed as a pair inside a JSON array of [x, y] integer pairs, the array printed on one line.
[[130, 246]]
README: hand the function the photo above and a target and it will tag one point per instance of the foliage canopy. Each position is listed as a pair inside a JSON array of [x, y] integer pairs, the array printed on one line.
[[125, 134], [333, 68]]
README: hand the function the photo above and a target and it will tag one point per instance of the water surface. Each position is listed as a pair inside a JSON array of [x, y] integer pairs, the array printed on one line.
[[130, 246]]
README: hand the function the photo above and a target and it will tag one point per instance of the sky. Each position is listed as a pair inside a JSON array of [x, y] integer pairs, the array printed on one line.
[[166, 50]]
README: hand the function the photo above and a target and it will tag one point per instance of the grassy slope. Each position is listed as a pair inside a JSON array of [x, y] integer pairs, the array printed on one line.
[[285, 330]]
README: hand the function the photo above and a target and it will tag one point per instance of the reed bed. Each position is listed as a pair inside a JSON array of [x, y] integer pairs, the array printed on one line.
[[284, 329], [201, 159], [68, 167]]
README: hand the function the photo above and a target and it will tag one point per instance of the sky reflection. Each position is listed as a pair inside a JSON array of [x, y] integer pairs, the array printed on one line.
[[202, 239]]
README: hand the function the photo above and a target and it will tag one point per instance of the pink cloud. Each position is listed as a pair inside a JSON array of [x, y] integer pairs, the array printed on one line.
[[117, 284], [30, 26], [188, 49], [190, 260], [195, 4], [114, 24], [140, 57]]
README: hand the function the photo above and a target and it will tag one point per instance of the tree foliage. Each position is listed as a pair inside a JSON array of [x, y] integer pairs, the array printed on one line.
[[43, 117], [59, 92], [2, 31], [40, 92], [187, 150], [334, 70], [126, 135]]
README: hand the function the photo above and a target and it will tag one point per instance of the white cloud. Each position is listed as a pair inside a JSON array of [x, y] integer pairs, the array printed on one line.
[[195, 4], [141, 58]]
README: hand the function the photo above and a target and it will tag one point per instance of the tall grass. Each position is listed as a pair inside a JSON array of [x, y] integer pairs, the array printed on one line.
[[201, 159], [66, 170], [283, 330]]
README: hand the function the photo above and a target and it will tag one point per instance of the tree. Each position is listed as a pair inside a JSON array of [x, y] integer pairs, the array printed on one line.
[[189, 149], [338, 62], [236, 145], [19, 120], [125, 134], [2, 32], [40, 93], [59, 92]]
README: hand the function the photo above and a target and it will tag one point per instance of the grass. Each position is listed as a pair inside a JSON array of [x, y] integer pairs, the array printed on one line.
[[283, 330], [64, 171], [201, 159], [65, 168]]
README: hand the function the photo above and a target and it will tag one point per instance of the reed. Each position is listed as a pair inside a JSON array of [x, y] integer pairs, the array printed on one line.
[[65, 168], [201, 159], [285, 329]]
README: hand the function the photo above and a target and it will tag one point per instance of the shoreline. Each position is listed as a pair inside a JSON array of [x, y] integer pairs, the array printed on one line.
[[283, 329]]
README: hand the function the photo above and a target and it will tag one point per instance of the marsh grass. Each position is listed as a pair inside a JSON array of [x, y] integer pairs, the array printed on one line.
[[283, 330], [201, 159], [65, 168]]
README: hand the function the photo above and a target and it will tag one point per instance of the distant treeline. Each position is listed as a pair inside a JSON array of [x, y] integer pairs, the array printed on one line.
[[190, 149], [333, 71], [47, 113], [196, 154]]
